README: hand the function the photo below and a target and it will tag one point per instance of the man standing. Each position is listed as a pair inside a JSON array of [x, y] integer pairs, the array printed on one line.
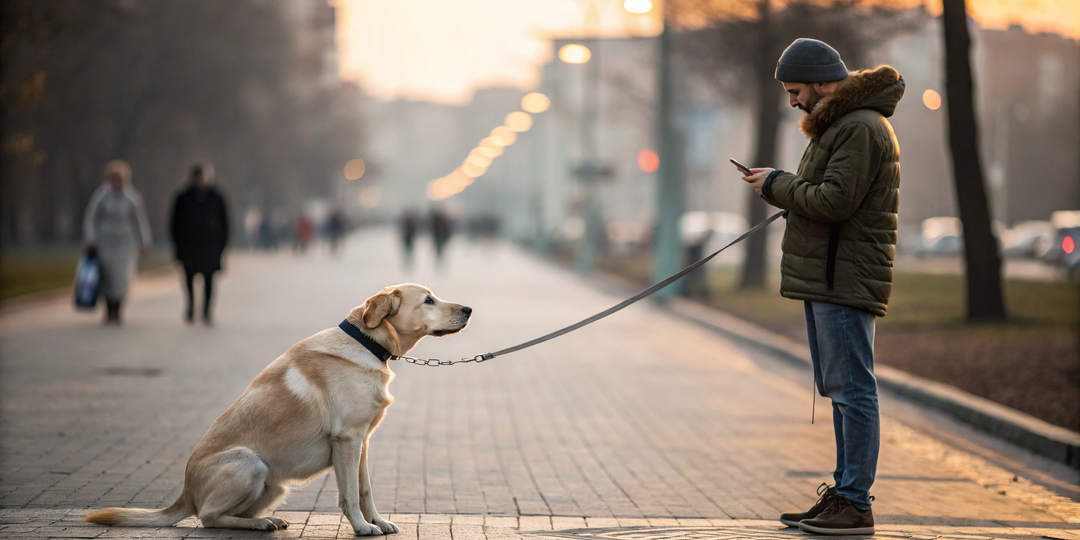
[[838, 251], [200, 231]]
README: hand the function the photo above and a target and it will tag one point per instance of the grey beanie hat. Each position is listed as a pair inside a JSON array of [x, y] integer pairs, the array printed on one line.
[[809, 60]]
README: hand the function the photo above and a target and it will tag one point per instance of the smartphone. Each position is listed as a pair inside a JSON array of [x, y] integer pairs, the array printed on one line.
[[742, 168]]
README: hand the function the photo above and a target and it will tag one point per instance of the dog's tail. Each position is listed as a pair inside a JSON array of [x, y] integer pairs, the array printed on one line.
[[140, 517]]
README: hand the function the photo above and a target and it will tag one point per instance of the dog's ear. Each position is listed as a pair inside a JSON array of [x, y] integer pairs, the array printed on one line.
[[382, 305]]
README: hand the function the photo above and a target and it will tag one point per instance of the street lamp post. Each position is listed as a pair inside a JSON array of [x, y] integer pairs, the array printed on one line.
[[536, 103], [670, 191], [589, 171]]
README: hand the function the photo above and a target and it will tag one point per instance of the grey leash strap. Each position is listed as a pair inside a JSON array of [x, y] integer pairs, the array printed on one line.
[[618, 307]]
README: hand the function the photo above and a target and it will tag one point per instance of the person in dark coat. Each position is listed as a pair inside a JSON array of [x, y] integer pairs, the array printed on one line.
[[200, 231], [441, 230], [335, 229], [409, 226]]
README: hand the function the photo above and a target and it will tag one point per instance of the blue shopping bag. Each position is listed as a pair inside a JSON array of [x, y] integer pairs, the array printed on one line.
[[87, 280]]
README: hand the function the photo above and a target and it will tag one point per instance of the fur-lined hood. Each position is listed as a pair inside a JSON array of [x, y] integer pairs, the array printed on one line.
[[879, 89]]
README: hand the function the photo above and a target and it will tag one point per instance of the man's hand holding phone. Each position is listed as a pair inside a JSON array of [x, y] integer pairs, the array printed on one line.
[[754, 177]]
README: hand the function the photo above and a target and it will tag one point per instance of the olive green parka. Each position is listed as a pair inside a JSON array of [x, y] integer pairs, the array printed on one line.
[[842, 204]]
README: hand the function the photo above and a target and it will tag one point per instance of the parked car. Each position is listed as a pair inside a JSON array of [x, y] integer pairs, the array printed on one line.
[[1067, 232], [1071, 261], [941, 237], [716, 229], [1027, 239]]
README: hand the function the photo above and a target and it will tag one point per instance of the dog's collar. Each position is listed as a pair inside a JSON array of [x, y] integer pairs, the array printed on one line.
[[367, 342]]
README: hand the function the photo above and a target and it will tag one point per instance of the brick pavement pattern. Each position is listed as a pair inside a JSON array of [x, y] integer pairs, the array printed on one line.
[[640, 426]]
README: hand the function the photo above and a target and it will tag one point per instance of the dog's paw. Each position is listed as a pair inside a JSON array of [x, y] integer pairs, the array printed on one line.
[[267, 524], [385, 526], [281, 523], [367, 529]]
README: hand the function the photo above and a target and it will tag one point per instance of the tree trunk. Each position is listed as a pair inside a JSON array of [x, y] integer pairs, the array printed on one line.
[[981, 254], [768, 124]]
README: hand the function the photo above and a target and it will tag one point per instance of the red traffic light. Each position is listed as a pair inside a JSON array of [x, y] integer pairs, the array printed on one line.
[[648, 160]]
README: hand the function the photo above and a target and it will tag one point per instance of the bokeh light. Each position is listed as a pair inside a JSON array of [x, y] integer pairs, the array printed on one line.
[[638, 6], [1068, 245], [648, 160], [478, 160], [519, 121], [459, 179], [931, 99], [354, 169], [370, 196], [503, 136], [574, 54], [535, 102], [473, 171], [491, 150]]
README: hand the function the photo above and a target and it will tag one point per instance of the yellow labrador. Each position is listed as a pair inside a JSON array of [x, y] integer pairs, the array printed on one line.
[[313, 408]]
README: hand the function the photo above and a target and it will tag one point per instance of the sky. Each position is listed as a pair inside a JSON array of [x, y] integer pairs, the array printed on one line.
[[442, 50]]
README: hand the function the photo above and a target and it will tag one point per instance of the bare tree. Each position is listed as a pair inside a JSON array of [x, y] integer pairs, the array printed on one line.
[[981, 254], [162, 84]]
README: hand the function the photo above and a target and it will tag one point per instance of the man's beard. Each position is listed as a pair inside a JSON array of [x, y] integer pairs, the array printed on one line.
[[811, 101]]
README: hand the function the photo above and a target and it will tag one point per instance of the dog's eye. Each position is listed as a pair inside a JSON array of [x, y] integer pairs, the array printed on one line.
[[429, 300]]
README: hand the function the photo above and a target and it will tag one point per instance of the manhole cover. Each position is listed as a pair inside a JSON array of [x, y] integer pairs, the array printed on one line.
[[720, 533]]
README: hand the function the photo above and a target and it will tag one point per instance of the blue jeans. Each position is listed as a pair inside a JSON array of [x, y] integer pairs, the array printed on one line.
[[842, 347]]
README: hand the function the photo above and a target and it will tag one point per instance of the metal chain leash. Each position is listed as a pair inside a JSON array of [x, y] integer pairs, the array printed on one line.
[[435, 362]]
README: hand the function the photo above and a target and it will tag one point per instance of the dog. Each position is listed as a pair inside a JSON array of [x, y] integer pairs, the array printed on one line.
[[311, 409]]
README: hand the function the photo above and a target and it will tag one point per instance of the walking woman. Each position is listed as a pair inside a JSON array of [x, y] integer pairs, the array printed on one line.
[[115, 225]]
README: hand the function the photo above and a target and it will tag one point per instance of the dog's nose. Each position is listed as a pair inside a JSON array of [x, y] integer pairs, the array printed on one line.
[[466, 310]]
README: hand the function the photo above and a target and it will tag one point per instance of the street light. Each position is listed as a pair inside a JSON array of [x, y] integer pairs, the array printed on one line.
[[488, 147], [503, 136], [638, 7], [535, 102], [478, 160], [354, 169], [574, 53], [931, 99], [518, 121]]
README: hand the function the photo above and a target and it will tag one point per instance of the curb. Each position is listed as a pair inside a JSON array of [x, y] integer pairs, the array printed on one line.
[[1026, 431]]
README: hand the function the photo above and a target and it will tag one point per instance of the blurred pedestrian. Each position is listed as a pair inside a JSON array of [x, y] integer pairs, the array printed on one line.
[[266, 236], [409, 226], [335, 229], [442, 228], [200, 232], [838, 251], [115, 225], [305, 232]]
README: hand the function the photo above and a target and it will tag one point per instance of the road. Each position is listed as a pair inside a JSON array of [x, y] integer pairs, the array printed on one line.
[[639, 426]]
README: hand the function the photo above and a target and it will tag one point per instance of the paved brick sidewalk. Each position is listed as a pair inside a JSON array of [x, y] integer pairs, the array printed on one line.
[[639, 421]]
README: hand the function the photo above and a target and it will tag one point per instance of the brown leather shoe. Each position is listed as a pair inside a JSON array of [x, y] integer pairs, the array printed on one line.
[[840, 518], [826, 494]]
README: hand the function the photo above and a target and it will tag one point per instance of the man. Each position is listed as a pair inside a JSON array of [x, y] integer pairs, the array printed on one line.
[[200, 231], [838, 251]]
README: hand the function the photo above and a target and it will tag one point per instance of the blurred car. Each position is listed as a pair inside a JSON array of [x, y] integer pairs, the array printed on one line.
[[715, 229], [941, 237], [1067, 232], [1071, 261], [1066, 251], [1027, 239], [627, 234]]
